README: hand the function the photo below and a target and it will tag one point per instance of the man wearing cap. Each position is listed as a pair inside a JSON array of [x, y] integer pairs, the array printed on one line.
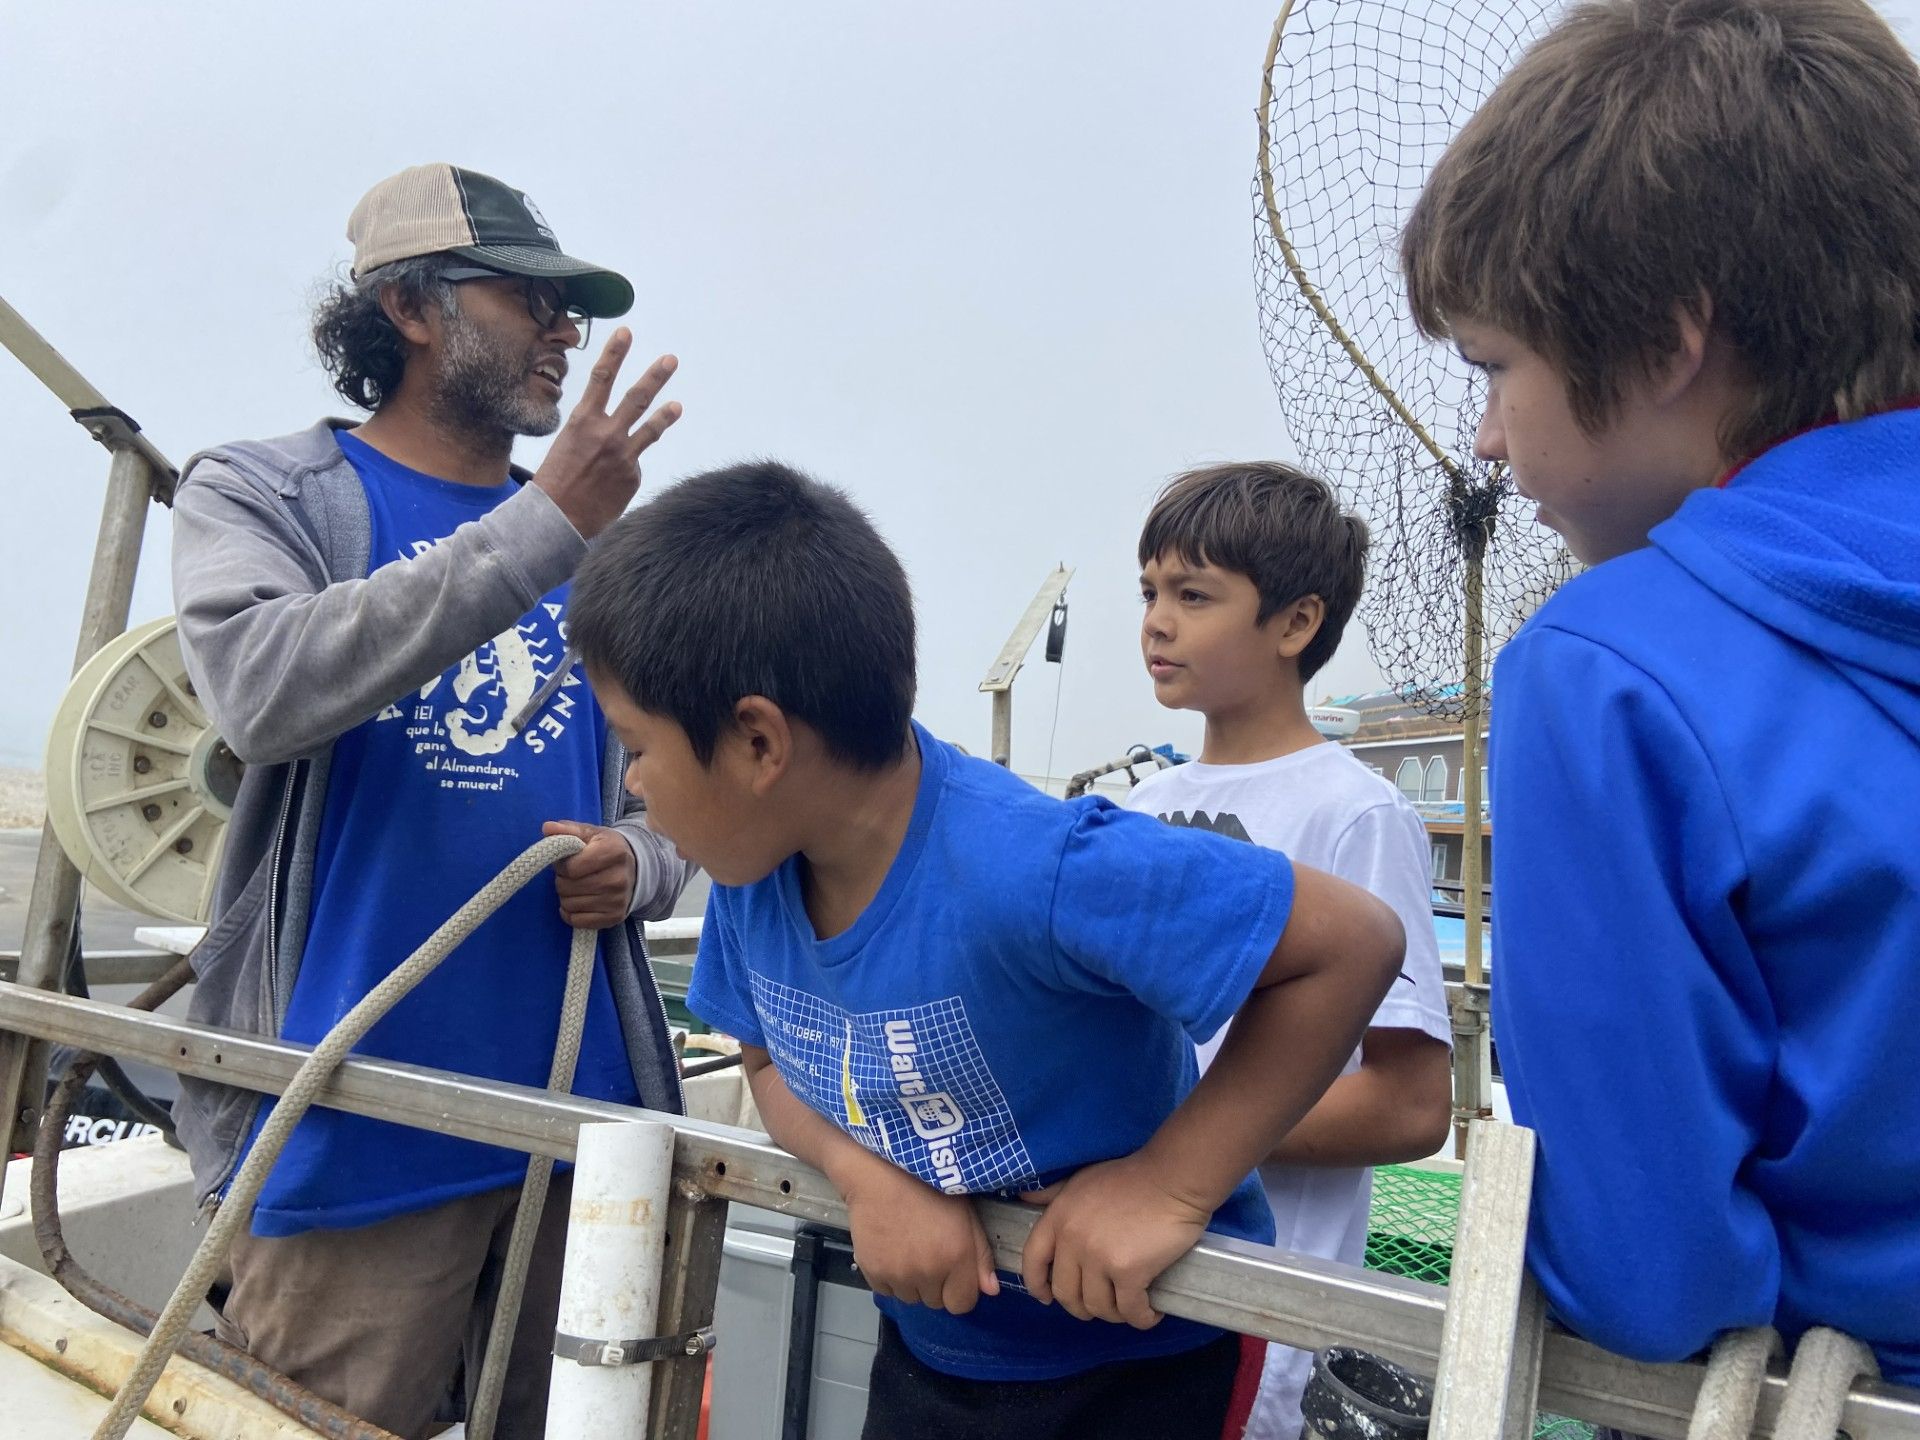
[[375, 617]]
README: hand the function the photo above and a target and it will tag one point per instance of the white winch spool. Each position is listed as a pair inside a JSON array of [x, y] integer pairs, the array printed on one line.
[[139, 784]]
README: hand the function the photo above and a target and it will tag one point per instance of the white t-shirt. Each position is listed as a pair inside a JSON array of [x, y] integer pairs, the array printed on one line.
[[1322, 808]]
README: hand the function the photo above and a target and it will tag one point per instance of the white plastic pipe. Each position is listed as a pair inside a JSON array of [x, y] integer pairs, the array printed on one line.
[[610, 1287]]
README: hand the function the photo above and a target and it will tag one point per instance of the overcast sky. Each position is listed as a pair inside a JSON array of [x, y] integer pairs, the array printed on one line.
[[988, 267]]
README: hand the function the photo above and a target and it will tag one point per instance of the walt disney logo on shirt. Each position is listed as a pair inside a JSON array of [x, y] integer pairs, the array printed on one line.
[[911, 1084]]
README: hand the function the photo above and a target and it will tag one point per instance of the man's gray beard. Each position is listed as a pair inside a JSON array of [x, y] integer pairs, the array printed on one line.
[[483, 388]]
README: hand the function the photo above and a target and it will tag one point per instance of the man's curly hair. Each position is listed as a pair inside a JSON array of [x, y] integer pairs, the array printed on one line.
[[362, 352]]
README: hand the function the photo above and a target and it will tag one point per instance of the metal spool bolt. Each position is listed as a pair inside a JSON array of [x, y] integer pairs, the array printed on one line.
[[141, 764], [150, 811], [158, 720]]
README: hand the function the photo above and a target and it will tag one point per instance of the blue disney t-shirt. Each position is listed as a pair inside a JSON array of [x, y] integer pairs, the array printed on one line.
[[1020, 1000], [425, 803]]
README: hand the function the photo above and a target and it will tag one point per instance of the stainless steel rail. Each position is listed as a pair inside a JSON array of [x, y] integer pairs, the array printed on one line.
[[107, 967]]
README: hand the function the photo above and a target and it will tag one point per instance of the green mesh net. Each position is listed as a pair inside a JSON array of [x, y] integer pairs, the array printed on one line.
[[1410, 1232], [1410, 1229]]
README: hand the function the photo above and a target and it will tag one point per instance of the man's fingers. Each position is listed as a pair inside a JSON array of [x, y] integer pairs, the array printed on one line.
[[595, 855], [636, 401], [657, 425], [599, 389], [574, 828], [594, 860], [583, 898], [591, 915]]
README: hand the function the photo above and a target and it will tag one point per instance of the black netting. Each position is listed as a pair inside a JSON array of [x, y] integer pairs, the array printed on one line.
[[1366, 94]]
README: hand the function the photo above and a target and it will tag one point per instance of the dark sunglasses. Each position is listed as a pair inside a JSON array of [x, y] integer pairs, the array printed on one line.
[[545, 300]]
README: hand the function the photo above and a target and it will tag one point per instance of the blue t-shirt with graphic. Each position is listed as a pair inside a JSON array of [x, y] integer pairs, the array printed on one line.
[[424, 804], [1021, 999]]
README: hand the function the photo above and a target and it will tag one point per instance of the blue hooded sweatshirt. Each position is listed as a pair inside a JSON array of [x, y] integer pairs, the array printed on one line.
[[1706, 775]]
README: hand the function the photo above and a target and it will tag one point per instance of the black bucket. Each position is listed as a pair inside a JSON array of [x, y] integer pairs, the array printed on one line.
[[1356, 1396]]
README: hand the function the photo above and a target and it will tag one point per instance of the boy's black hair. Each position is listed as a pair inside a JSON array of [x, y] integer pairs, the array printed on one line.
[[1280, 527], [753, 579]]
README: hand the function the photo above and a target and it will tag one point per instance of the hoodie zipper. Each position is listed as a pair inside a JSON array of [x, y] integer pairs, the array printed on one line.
[[273, 894], [211, 1205]]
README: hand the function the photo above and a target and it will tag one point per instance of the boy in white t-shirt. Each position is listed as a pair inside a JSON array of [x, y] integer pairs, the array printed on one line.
[[1249, 573]]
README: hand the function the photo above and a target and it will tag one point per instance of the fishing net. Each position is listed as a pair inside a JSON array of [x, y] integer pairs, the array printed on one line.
[[1365, 94], [1411, 1225]]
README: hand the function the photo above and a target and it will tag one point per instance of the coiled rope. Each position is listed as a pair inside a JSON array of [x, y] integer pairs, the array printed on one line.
[[1825, 1365]]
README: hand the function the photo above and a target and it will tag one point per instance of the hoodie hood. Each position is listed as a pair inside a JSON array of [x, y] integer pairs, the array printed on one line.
[[1819, 539]]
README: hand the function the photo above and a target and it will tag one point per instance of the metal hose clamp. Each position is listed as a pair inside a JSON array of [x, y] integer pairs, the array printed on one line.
[[584, 1351]]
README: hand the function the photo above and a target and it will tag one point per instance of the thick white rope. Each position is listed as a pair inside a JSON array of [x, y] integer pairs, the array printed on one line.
[[244, 1191], [533, 1199], [1730, 1393], [1825, 1365]]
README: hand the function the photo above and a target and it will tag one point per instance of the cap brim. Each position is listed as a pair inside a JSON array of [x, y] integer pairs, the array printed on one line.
[[602, 293]]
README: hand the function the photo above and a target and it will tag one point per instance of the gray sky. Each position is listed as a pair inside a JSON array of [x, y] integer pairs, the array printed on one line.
[[988, 267]]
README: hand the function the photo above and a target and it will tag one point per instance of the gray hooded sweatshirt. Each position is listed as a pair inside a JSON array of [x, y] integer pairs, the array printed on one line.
[[290, 644]]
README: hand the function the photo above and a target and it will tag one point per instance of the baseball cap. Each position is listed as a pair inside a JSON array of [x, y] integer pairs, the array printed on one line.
[[443, 209]]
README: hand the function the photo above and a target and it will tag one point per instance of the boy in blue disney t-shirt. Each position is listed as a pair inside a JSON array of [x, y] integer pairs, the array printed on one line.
[[948, 984]]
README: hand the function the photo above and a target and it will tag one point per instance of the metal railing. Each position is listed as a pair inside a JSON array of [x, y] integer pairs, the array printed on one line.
[[1292, 1299], [107, 967], [138, 476]]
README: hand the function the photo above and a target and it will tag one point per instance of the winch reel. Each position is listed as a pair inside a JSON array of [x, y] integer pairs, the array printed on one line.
[[139, 784]]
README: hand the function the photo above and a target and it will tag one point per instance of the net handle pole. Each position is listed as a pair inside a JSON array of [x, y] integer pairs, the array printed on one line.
[[1298, 270], [1472, 757], [1472, 1034]]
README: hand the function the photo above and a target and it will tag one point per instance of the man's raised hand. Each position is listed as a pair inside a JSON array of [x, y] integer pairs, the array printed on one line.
[[593, 468]]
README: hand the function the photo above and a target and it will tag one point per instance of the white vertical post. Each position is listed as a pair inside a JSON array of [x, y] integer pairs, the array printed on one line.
[[610, 1287]]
